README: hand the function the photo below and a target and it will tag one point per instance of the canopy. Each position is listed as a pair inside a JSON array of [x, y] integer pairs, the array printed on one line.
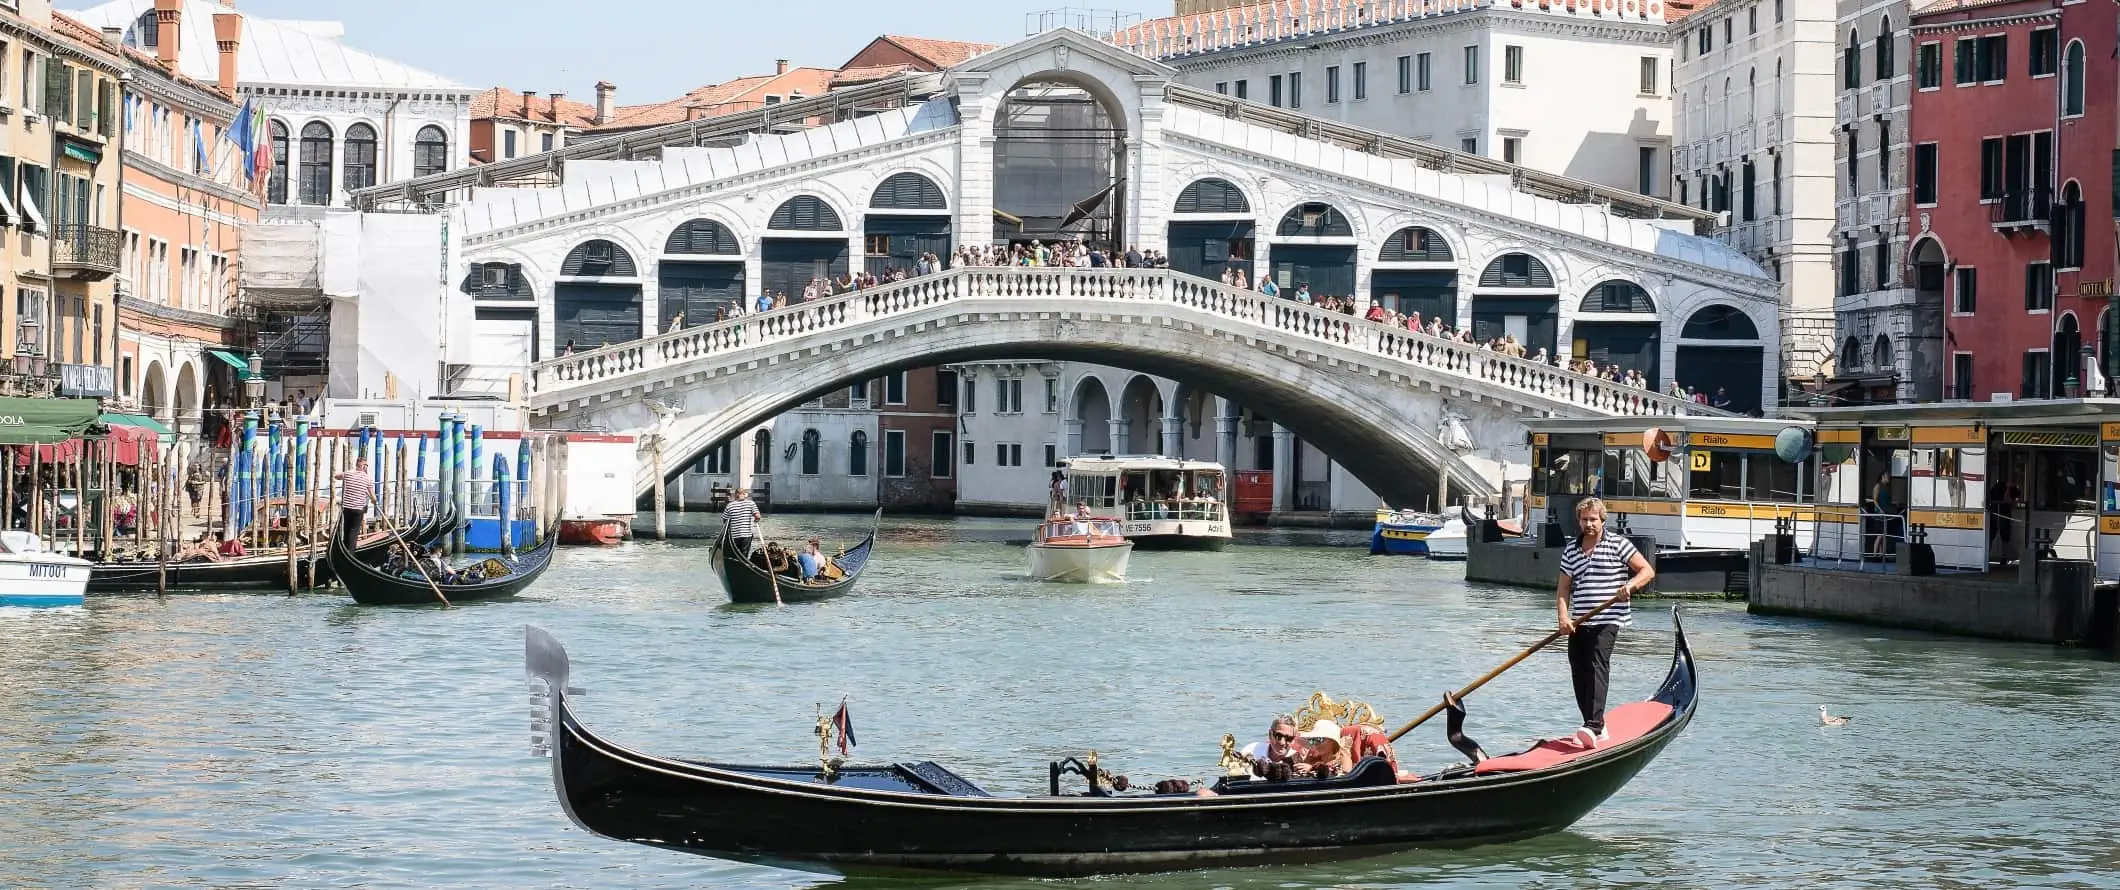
[[31, 421], [242, 367], [132, 436]]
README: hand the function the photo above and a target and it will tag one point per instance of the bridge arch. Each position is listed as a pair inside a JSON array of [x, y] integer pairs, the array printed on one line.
[[1141, 411], [1090, 412]]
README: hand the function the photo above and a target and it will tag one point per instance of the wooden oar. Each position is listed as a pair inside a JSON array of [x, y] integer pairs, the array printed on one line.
[[415, 560], [1520, 656]]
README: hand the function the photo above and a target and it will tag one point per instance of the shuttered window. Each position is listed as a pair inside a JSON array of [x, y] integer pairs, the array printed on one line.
[[497, 281], [1720, 322], [1516, 270], [1618, 296], [599, 259], [907, 191], [1315, 221], [1415, 244], [805, 213], [701, 236], [1212, 196]]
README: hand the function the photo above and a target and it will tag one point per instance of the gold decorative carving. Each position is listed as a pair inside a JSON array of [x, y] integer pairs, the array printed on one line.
[[1346, 713]]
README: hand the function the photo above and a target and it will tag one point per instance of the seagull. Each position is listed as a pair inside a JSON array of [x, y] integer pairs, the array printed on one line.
[[1825, 719]]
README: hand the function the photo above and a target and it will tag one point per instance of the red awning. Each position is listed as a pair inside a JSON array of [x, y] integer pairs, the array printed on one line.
[[127, 445]]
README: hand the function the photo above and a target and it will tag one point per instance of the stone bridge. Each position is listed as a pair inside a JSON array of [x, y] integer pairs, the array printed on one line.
[[1373, 397]]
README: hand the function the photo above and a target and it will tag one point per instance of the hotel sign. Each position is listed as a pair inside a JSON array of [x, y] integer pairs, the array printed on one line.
[[2100, 288]]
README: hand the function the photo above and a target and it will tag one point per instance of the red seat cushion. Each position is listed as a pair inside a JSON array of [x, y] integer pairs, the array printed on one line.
[[1624, 724]]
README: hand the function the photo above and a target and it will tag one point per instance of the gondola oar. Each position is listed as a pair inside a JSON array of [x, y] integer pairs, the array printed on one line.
[[414, 558], [1520, 656]]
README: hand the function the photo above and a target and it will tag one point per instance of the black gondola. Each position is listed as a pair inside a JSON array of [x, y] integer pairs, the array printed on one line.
[[747, 582], [372, 586], [263, 571], [923, 816]]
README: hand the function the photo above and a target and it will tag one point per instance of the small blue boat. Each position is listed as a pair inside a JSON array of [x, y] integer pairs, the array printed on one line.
[[1403, 532]]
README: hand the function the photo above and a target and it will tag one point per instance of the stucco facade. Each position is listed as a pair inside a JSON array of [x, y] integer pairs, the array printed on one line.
[[1889, 330]]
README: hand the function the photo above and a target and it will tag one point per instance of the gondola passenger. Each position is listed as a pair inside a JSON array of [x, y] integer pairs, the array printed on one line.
[[811, 560], [1323, 754], [1278, 746], [1361, 741]]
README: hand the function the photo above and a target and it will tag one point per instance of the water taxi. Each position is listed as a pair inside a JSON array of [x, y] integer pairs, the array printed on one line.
[[1162, 503], [33, 575], [1080, 550]]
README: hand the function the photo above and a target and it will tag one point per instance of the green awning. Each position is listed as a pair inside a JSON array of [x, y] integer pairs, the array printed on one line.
[[242, 367], [82, 153], [139, 420], [43, 421]]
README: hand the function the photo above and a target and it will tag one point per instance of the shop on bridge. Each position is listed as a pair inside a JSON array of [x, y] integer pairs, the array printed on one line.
[[701, 276], [1719, 350], [1416, 272], [1517, 298], [597, 299], [1314, 245], [1211, 230], [805, 241], [907, 217], [1617, 325]]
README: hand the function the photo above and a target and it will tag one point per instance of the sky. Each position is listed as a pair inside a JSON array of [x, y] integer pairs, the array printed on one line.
[[653, 50]]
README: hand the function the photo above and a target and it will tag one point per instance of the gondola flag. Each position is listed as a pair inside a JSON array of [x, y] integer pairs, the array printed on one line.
[[843, 723]]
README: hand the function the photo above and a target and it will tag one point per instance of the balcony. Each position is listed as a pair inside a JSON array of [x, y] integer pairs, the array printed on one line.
[[2030, 208], [85, 253], [30, 376]]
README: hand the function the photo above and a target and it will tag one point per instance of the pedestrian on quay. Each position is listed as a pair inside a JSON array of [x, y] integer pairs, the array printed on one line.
[[1596, 567], [355, 489], [739, 520]]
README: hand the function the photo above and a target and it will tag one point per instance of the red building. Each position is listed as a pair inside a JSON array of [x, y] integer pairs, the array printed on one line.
[[2012, 135]]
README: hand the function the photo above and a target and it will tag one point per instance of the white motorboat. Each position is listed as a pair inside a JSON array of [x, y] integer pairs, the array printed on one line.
[[1080, 551], [32, 575], [1448, 541]]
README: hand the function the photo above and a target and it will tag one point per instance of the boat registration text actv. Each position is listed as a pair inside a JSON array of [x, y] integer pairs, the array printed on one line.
[[1149, 528]]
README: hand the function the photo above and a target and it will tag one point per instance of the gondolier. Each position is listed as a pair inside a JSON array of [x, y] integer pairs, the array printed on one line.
[[355, 490], [739, 521], [1594, 568]]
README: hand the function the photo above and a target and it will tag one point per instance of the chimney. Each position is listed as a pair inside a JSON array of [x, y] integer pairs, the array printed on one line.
[[526, 104], [780, 67], [228, 37], [169, 33], [555, 105], [604, 93]]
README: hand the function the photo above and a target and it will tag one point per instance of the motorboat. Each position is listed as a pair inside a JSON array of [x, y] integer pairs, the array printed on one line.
[[1162, 503], [1448, 541], [1080, 550], [1403, 532], [32, 574]]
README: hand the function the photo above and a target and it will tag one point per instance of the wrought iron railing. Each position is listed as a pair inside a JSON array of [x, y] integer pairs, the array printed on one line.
[[86, 247], [2023, 207]]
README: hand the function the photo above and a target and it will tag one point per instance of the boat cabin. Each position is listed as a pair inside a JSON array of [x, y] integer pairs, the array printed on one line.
[[1090, 530], [1143, 489], [1690, 482], [1979, 482]]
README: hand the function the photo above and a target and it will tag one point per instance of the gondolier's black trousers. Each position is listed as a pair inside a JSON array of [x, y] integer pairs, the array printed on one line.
[[1590, 663], [742, 546], [350, 520]]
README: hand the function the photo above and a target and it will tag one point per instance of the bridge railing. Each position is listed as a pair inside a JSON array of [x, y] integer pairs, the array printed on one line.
[[1118, 285]]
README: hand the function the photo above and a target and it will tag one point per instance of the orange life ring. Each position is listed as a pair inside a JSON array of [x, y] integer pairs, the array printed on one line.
[[1657, 444]]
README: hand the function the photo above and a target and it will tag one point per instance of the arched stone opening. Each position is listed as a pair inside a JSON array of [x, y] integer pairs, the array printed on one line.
[[2067, 357], [597, 300], [1925, 338], [1212, 232], [1517, 298], [1720, 352], [806, 242], [908, 221], [700, 279], [762, 453], [1416, 272], [1093, 415], [1616, 324], [1059, 149], [154, 392], [1141, 417], [1313, 246], [1192, 417]]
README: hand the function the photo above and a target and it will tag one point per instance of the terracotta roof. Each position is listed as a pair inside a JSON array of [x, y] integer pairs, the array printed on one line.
[[741, 94], [505, 103], [80, 32], [940, 53], [1676, 10], [867, 73], [1937, 6]]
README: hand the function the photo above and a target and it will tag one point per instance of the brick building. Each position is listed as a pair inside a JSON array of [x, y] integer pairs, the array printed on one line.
[[2012, 187]]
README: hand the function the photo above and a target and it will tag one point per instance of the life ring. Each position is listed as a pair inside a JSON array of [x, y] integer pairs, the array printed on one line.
[[1657, 444]]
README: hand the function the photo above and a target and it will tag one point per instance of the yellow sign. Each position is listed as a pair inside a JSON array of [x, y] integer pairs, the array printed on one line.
[[2109, 525], [1835, 515], [1840, 437], [1643, 508], [2100, 288], [1538, 438], [1538, 502], [1968, 519], [1723, 440], [1622, 439], [1948, 435], [1891, 434], [1703, 461], [2109, 432]]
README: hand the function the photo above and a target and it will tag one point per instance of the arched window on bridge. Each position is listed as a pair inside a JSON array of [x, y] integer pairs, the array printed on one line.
[[1618, 296], [907, 191], [801, 248], [1214, 249], [858, 453], [812, 446], [702, 236], [701, 275], [1519, 270], [497, 281], [1415, 244], [1720, 352], [1315, 220], [1632, 345], [805, 213], [599, 259], [589, 313], [1720, 322], [907, 220], [762, 452], [1528, 307], [1212, 196]]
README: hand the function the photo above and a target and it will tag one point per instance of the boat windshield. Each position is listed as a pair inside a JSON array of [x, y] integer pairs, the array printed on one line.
[[1105, 528], [1066, 528]]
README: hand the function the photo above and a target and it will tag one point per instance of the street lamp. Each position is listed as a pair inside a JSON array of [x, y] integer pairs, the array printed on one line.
[[254, 382]]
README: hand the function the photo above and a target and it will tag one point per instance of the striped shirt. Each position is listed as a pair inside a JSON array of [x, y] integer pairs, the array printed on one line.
[[354, 489], [740, 518], [1597, 576]]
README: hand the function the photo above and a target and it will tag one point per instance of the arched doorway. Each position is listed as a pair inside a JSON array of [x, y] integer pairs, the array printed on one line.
[[1925, 341], [1416, 272], [1313, 245], [700, 277], [1059, 147], [1212, 230], [1517, 298], [806, 241], [1093, 413], [1850, 354], [1617, 325], [154, 392], [597, 300], [1719, 350], [908, 217], [186, 400], [762, 453], [1141, 410], [2067, 357]]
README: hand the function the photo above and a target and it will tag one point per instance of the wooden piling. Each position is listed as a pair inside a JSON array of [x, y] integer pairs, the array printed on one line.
[[662, 531]]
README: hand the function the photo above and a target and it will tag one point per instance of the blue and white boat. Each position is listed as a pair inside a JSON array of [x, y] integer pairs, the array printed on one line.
[[31, 575], [1403, 532]]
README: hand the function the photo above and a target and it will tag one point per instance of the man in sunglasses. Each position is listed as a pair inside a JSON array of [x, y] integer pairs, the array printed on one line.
[[1282, 745]]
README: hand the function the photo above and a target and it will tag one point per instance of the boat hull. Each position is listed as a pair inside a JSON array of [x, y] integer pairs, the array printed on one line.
[[747, 583], [1396, 539], [43, 580], [1447, 543], [1091, 564], [371, 586], [592, 532]]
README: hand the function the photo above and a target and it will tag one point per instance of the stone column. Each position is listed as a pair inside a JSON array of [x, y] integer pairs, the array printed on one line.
[[1225, 436], [1173, 437], [1073, 445], [1284, 462], [740, 459], [1118, 427]]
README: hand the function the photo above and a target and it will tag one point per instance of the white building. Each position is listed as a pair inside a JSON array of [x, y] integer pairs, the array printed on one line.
[[1755, 142], [1890, 335], [1581, 90], [341, 118]]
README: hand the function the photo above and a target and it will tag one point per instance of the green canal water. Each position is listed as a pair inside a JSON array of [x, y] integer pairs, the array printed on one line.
[[269, 741]]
